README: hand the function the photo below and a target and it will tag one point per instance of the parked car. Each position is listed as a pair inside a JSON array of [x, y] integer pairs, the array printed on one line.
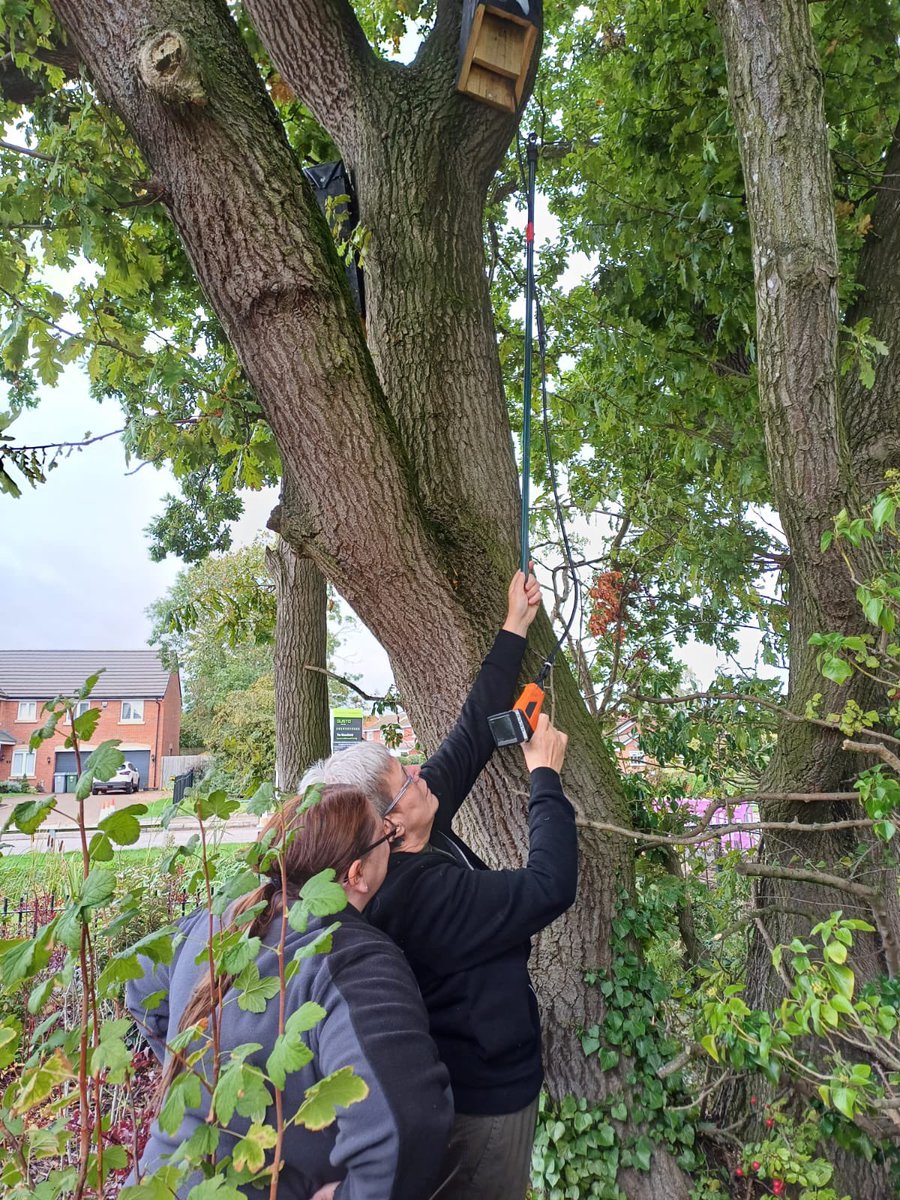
[[126, 779]]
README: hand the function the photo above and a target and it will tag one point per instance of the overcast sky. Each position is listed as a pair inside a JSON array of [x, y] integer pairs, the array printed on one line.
[[74, 567]]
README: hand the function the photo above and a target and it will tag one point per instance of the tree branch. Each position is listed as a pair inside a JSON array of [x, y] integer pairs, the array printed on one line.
[[801, 875], [763, 703], [713, 833], [25, 150], [321, 52], [346, 682], [881, 751]]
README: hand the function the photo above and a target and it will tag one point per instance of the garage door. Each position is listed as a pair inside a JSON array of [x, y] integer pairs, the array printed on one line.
[[65, 762], [141, 759]]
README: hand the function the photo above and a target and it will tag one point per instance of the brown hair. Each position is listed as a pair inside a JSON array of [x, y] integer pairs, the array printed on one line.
[[332, 831]]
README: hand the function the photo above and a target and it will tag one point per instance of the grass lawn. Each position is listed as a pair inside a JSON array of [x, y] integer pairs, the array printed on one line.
[[155, 808], [38, 871]]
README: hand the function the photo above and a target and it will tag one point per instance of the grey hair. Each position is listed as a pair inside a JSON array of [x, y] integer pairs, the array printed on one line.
[[364, 765]]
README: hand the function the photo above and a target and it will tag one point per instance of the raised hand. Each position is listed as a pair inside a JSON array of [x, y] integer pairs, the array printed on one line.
[[524, 598]]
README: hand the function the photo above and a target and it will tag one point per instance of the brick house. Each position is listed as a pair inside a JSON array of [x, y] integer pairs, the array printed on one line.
[[373, 727], [140, 703]]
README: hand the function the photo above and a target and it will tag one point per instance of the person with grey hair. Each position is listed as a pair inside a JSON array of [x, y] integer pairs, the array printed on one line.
[[465, 929]]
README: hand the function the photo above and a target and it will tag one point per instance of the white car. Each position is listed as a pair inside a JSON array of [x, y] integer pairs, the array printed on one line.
[[126, 779]]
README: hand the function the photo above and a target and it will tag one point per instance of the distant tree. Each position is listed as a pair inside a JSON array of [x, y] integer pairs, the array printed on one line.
[[217, 625]]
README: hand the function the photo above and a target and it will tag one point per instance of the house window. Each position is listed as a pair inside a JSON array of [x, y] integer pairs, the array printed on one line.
[[27, 710], [81, 707], [132, 711], [23, 762]]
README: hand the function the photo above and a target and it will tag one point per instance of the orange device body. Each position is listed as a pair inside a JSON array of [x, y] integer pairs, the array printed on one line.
[[530, 702]]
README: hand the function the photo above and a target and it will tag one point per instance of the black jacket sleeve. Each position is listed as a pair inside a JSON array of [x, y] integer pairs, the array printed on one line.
[[455, 919], [459, 760]]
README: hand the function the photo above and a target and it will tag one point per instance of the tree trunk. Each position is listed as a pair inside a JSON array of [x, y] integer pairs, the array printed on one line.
[[399, 484], [776, 98], [302, 725]]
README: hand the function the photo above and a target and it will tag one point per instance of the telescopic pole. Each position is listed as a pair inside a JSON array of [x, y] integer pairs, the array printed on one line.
[[532, 154]]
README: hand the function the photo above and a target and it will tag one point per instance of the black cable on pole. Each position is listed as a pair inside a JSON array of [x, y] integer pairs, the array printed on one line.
[[533, 304], [531, 154]]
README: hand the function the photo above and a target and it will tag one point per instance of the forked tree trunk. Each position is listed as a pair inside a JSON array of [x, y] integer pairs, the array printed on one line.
[[777, 100], [302, 732], [399, 482]]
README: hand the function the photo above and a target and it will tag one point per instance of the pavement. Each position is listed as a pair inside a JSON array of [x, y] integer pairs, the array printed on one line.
[[239, 830]]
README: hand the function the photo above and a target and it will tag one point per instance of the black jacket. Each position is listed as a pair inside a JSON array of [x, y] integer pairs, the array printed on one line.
[[466, 929], [388, 1146]]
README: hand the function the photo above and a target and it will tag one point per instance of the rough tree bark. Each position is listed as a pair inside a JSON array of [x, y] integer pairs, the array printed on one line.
[[399, 460], [302, 732], [825, 451]]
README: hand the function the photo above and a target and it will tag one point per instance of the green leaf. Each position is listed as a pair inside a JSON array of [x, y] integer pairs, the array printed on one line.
[[590, 1042], [322, 896], [842, 979], [123, 826], [163, 1185], [30, 815], [10, 1032], [69, 925], [883, 510], [844, 1100], [249, 1153], [834, 668], [112, 1055], [100, 849], [289, 1054], [214, 1188], [340, 1089], [184, 1092], [242, 1089], [643, 1152], [47, 730], [306, 1017], [157, 946], [709, 1045], [98, 888], [102, 764], [36, 1083], [216, 804], [835, 952], [83, 726], [262, 801], [254, 992], [25, 958], [605, 1135], [320, 944]]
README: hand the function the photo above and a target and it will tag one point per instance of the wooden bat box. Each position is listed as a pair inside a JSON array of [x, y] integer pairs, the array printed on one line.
[[496, 44]]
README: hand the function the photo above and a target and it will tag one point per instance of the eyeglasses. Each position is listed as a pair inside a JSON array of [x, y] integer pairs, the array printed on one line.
[[410, 779], [390, 837]]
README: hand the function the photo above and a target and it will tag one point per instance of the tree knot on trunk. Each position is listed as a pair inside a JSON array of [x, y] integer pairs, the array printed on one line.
[[167, 66]]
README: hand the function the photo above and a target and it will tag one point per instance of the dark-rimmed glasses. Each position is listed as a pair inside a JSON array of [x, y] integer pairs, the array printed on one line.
[[390, 837]]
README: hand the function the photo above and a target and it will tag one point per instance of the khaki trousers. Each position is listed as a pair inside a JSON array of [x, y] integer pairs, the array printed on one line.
[[489, 1158]]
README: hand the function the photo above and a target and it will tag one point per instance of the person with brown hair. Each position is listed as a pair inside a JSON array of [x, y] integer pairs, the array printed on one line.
[[389, 1146]]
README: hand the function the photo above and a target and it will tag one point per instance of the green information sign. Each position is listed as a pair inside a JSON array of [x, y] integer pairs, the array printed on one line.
[[347, 726]]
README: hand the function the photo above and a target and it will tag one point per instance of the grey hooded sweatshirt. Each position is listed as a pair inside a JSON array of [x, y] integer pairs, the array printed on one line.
[[388, 1146]]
